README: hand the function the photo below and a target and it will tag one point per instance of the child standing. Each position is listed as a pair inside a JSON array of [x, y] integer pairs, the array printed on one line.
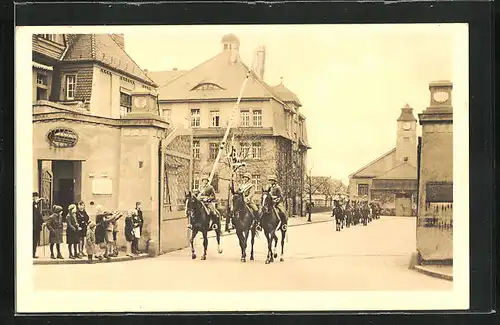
[[90, 241]]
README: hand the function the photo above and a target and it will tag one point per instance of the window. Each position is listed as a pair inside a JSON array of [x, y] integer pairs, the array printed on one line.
[[257, 118], [41, 87], [125, 103], [256, 182], [225, 46], [245, 118], [256, 150], [195, 118], [167, 115], [214, 116], [70, 86], [41, 79], [196, 149], [207, 86], [362, 189], [50, 37], [213, 150], [245, 150], [196, 182]]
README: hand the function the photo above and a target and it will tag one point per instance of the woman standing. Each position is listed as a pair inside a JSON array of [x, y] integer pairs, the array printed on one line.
[[136, 223], [55, 227], [83, 222], [72, 232]]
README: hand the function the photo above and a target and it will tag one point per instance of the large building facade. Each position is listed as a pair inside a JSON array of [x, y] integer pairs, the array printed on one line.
[[98, 135], [391, 179], [268, 129]]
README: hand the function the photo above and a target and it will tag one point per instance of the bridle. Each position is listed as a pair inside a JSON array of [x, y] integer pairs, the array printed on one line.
[[265, 198]]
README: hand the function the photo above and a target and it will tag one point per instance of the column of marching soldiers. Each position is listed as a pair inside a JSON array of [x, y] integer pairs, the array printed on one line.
[[349, 213]]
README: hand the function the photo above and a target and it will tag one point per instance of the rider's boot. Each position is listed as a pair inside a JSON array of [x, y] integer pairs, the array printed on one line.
[[282, 223]]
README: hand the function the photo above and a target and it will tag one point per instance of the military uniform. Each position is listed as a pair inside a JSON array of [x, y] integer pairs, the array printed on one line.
[[207, 196], [277, 195], [247, 189]]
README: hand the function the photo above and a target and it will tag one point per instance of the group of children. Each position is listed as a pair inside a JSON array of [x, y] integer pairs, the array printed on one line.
[[101, 235]]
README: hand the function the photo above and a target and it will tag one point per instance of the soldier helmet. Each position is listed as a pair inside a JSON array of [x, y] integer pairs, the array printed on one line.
[[272, 178], [205, 177], [247, 175]]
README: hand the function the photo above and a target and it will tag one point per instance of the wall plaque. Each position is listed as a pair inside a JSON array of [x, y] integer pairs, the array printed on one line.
[[103, 186], [439, 192], [62, 138]]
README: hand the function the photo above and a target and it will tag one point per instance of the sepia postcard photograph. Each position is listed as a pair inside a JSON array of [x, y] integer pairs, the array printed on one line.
[[202, 168]]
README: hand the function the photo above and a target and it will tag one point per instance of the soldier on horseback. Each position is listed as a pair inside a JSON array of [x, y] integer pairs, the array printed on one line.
[[246, 187], [276, 194], [207, 197]]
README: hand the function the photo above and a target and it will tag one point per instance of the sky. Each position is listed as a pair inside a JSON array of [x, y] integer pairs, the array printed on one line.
[[352, 80]]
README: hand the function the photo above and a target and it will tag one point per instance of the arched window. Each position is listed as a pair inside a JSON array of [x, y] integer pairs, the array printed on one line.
[[207, 86]]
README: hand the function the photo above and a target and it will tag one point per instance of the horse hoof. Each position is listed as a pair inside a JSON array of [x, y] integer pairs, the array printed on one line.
[[203, 258], [267, 261], [251, 258], [275, 255], [282, 259], [220, 251], [243, 260], [193, 256]]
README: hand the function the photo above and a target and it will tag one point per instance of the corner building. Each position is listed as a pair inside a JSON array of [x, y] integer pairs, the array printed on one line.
[[98, 136]]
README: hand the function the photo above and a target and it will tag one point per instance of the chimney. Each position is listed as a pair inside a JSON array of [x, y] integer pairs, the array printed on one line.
[[120, 39], [261, 61]]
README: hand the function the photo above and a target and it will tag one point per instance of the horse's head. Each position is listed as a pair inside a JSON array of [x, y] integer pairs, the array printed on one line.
[[266, 202], [192, 203], [238, 200]]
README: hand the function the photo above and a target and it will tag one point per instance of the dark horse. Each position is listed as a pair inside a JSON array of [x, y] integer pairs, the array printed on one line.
[[269, 222], [201, 222], [243, 223]]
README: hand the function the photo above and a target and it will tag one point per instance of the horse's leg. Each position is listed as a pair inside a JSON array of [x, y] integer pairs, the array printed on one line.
[[252, 241], [205, 244], [283, 234], [193, 235], [275, 255], [218, 233], [245, 241], [240, 239], [269, 238]]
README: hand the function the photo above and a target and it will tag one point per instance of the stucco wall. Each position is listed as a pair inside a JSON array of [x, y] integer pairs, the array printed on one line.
[[434, 232]]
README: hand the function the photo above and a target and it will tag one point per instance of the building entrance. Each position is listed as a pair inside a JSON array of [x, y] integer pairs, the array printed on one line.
[[60, 181]]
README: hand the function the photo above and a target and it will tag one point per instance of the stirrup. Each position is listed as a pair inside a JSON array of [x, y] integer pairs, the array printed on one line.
[[215, 227]]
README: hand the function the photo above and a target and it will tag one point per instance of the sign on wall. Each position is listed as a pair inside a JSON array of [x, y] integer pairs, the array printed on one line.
[[102, 186], [439, 192], [62, 138]]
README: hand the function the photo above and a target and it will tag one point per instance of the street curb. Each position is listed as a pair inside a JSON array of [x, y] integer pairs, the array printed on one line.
[[435, 274], [86, 261], [289, 226]]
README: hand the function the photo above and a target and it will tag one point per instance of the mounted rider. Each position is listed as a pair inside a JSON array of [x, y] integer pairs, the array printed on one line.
[[207, 197], [246, 188], [277, 196]]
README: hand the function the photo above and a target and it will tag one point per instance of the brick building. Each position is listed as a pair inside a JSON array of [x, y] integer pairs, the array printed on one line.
[[98, 136], [269, 129], [391, 179]]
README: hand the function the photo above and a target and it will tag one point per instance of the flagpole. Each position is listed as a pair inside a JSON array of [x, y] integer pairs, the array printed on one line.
[[231, 118]]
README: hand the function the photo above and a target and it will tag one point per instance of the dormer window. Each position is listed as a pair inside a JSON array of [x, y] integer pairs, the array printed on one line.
[[207, 86]]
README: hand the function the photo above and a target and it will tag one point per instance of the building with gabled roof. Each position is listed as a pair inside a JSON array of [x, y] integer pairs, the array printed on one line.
[[269, 129], [391, 178], [98, 136]]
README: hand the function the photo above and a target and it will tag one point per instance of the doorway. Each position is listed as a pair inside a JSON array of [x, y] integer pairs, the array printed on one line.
[[65, 182], [403, 205]]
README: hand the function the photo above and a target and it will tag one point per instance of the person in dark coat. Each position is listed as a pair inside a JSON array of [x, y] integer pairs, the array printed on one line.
[[37, 221], [83, 221], [100, 232], [55, 227], [72, 232], [140, 218], [129, 230]]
